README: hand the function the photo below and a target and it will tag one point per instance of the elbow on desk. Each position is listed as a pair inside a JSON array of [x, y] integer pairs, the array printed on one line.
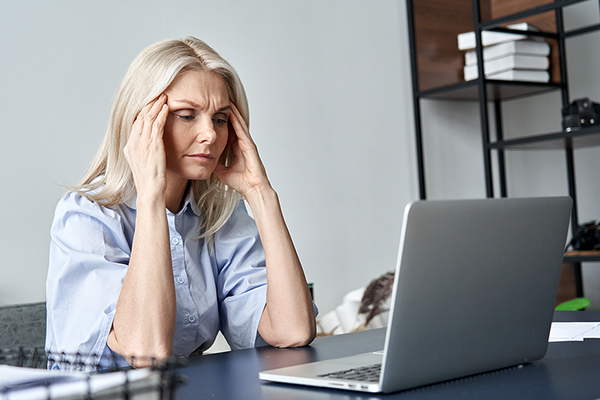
[[287, 332], [303, 341], [292, 342], [293, 338], [140, 354], [142, 358]]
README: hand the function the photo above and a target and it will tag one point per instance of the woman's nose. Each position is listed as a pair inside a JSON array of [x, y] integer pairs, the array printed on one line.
[[206, 131]]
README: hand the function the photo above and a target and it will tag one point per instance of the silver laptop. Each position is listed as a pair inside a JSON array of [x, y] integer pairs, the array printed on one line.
[[475, 288]]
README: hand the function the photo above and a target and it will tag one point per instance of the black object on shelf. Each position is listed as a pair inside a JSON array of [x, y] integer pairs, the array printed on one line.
[[587, 237], [581, 113]]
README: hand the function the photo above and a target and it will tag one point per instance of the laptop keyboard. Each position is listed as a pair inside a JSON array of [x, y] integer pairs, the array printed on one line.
[[370, 373]]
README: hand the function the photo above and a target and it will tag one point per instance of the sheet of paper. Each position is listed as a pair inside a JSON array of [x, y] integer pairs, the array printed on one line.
[[574, 331], [13, 376], [71, 385]]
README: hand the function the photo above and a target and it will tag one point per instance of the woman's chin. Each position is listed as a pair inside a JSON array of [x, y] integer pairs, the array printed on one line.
[[201, 176]]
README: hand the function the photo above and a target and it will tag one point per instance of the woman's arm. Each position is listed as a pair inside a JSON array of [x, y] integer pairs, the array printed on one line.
[[288, 319], [144, 323]]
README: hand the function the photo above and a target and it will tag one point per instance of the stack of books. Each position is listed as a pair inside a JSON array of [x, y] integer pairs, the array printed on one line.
[[507, 56]]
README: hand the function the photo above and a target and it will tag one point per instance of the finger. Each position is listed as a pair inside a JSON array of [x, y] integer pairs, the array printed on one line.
[[239, 125], [238, 119], [155, 108], [139, 119], [138, 123], [158, 125], [144, 111], [145, 115]]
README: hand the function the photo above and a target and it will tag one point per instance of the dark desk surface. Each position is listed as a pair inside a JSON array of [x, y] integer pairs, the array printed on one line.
[[570, 370]]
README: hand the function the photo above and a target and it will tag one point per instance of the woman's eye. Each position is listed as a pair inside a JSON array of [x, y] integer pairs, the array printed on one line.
[[184, 115], [220, 119]]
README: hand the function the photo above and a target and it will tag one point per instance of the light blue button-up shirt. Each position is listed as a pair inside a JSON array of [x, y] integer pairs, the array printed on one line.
[[89, 254]]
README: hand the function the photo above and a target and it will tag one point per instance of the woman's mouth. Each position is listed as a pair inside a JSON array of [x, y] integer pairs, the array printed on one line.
[[202, 157]]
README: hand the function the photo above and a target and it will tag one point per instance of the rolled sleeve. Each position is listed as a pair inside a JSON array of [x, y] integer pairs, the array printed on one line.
[[242, 279], [89, 254]]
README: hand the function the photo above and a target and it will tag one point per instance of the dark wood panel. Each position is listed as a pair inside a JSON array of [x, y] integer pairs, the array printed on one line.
[[502, 8], [438, 22], [566, 288]]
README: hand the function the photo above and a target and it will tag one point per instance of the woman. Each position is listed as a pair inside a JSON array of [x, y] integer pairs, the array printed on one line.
[[153, 252]]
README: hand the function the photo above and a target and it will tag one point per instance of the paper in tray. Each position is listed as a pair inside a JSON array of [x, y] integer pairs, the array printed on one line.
[[23, 375]]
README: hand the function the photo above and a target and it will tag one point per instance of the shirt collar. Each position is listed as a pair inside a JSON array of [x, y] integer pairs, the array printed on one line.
[[189, 200]]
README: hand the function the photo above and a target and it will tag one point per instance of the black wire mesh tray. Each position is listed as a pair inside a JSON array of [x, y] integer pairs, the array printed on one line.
[[24, 375]]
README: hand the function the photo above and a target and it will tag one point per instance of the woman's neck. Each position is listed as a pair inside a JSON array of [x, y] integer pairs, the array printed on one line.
[[175, 194]]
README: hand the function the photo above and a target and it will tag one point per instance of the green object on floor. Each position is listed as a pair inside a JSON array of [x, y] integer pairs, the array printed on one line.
[[574, 305]]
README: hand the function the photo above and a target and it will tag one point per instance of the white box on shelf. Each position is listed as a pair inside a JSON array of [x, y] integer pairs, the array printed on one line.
[[466, 41], [511, 61], [525, 75], [530, 47]]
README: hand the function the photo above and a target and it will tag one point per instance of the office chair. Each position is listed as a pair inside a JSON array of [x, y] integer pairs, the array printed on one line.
[[23, 325]]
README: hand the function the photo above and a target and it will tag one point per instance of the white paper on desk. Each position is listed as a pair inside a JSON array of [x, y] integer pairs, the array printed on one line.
[[12, 376], [574, 331], [593, 333], [78, 386]]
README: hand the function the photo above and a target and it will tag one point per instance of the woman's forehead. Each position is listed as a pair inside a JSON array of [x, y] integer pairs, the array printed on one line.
[[199, 89]]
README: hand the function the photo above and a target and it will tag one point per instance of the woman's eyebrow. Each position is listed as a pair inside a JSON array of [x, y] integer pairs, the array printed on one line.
[[196, 105], [188, 102]]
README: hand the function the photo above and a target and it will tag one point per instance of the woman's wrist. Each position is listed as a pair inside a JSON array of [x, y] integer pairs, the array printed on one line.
[[261, 198], [150, 203]]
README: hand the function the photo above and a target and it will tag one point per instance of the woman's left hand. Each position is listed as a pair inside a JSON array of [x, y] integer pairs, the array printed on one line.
[[246, 174], [288, 319]]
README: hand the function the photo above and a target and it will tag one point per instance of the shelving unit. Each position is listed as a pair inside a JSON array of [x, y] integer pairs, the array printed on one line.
[[436, 64]]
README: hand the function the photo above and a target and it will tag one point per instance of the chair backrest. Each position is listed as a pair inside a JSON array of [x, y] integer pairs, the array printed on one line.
[[23, 325]]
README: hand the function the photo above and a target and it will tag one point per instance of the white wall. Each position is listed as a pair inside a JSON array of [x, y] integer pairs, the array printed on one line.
[[329, 90], [331, 111]]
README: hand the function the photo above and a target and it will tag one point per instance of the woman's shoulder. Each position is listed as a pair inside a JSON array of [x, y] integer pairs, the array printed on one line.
[[76, 205], [73, 200]]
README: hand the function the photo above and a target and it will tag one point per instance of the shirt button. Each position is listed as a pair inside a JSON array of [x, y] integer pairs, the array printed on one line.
[[175, 241], [181, 279], [191, 318]]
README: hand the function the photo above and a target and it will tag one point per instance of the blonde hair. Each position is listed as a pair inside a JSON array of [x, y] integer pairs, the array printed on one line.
[[108, 180]]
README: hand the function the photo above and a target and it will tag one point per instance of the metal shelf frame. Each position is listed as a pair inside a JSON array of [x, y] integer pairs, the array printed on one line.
[[484, 91]]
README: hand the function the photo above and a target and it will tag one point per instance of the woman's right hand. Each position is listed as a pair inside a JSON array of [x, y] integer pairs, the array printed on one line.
[[145, 150], [145, 316]]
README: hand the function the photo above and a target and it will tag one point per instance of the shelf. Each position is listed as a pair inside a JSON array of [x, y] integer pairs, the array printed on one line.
[[440, 62], [512, 17], [582, 31], [586, 137], [582, 256], [496, 90], [436, 24], [437, 73]]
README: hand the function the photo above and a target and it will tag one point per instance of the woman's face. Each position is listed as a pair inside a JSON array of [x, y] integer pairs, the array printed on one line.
[[196, 130]]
